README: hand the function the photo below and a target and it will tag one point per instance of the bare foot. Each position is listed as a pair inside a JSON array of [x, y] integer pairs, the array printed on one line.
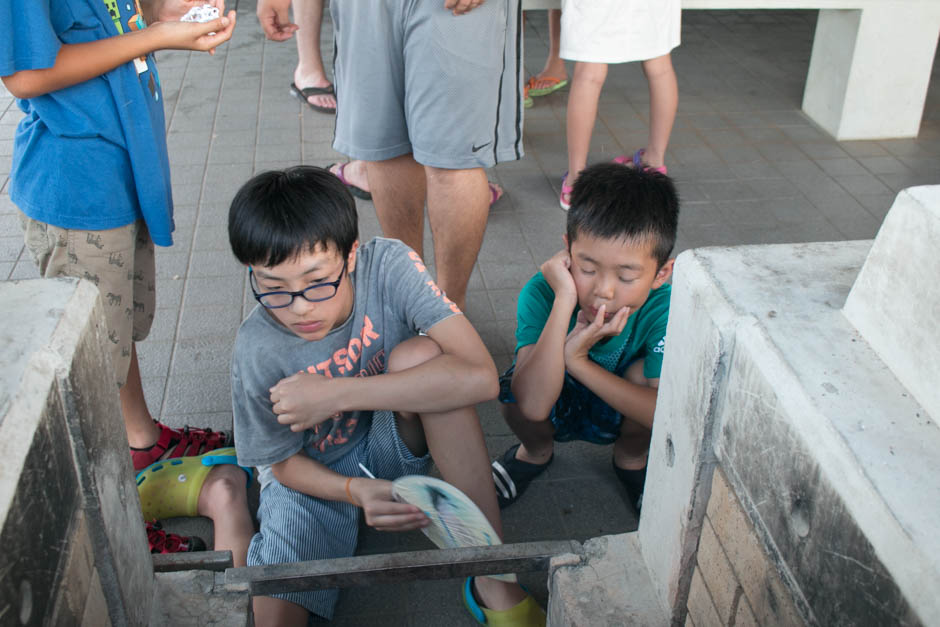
[[355, 174], [313, 80]]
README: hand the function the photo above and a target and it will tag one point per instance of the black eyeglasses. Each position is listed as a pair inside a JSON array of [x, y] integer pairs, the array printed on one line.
[[314, 294]]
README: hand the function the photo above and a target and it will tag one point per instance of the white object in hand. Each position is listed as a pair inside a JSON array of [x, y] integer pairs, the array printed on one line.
[[205, 13]]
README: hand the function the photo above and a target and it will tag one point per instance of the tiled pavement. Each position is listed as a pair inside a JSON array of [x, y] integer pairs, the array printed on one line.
[[751, 168]]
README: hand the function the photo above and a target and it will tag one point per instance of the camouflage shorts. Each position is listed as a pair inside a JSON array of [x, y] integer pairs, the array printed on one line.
[[119, 261]]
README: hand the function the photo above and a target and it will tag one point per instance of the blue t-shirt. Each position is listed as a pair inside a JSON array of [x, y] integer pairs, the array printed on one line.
[[91, 156]]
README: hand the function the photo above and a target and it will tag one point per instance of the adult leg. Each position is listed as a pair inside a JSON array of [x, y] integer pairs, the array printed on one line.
[[455, 440], [582, 113], [224, 499], [458, 206], [308, 14], [664, 101], [399, 191]]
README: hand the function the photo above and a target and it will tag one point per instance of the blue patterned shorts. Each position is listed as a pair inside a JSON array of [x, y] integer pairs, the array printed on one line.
[[578, 414]]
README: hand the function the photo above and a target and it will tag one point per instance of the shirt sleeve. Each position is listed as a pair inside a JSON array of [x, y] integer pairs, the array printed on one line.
[[654, 339], [28, 39], [532, 310], [410, 291], [259, 438]]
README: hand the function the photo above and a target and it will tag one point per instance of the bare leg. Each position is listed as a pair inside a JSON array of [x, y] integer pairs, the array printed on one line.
[[456, 442], [582, 112], [664, 101], [458, 206], [224, 499], [537, 437], [554, 66], [355, 173], [632, 447], [399, 191], [271, 612], [308, 14], [141, 430]]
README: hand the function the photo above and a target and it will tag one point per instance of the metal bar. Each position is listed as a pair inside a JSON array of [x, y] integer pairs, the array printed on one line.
[[200, 560], [365, 570]]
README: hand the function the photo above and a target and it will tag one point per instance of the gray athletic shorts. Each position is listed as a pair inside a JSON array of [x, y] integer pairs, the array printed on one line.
[[411, 77], [296, 527]]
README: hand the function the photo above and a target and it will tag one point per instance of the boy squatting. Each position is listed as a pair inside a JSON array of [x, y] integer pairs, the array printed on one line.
[[591, 331]]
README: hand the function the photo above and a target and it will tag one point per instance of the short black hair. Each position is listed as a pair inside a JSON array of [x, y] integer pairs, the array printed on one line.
[[280, 214], [611, 201]]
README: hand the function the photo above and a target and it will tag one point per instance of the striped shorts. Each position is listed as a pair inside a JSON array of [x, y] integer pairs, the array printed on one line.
[[296, 527]]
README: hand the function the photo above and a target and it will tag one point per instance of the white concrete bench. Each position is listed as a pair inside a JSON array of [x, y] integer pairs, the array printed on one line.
[[870, 66]]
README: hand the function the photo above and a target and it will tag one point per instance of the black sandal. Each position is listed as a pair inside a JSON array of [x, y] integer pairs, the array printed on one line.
[[633, 481], [512, 476]]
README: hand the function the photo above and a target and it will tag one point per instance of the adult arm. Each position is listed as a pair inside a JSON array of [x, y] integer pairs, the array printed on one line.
[[274, 16], [77, 63], [459, 7], [374, 496]]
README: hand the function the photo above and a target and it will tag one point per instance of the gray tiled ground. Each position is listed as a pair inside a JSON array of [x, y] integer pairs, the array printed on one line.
[[750, 166]]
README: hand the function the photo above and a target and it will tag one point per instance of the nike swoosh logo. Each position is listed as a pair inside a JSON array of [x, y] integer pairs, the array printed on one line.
[[475, 148]]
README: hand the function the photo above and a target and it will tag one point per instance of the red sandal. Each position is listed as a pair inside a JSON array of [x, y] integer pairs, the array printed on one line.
[[165, 542], [183, 442]]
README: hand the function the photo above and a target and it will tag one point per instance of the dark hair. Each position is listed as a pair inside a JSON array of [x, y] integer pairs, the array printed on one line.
[[278, 215], [610, 201]]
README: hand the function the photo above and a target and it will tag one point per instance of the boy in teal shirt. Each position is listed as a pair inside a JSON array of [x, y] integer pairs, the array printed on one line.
[[591, 331]]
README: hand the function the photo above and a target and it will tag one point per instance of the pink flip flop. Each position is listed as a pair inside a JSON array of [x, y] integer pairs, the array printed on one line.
[[496, 192], [637, 162]]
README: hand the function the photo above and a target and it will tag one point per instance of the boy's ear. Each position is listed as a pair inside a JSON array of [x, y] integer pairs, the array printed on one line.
[[663, 274], [564, 238], [351, 259]]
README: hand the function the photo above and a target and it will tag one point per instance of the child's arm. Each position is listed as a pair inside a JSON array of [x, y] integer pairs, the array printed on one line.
[[374, 496], [77, 63], [462, 375], [540, 367], [636, 402]]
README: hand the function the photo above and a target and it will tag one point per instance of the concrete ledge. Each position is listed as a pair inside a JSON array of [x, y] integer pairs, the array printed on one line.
[[820, 442], [895, 301], [66, 482], [607, 585], [195, 598]]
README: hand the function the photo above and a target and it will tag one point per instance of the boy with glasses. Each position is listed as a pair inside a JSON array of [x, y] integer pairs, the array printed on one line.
[[355, 357]]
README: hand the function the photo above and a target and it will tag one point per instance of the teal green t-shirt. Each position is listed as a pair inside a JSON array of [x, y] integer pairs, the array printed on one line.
[[643, 337]]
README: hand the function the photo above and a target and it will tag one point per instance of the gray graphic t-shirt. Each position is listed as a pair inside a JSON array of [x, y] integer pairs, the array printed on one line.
[[395, 299]]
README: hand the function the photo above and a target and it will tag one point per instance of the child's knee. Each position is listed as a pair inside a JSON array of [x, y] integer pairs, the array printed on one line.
[[224, 489], [635, 374], [412, 352]]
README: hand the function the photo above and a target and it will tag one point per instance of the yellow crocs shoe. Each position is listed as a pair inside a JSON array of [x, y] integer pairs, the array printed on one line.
[[170, 487], [526, 613]]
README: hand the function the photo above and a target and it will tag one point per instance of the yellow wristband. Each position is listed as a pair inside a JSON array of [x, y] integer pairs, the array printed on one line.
[[349, 493]]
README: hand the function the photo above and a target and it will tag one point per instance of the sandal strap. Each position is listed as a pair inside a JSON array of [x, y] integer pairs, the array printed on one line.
[[512, 476]]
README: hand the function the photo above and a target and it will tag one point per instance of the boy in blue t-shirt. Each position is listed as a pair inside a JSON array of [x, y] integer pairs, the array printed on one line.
[[91, 177], [592, 329]]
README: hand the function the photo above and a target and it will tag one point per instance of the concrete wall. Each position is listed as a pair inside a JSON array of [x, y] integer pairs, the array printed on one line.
[[734, 581], [72, 546], [895, 301]]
